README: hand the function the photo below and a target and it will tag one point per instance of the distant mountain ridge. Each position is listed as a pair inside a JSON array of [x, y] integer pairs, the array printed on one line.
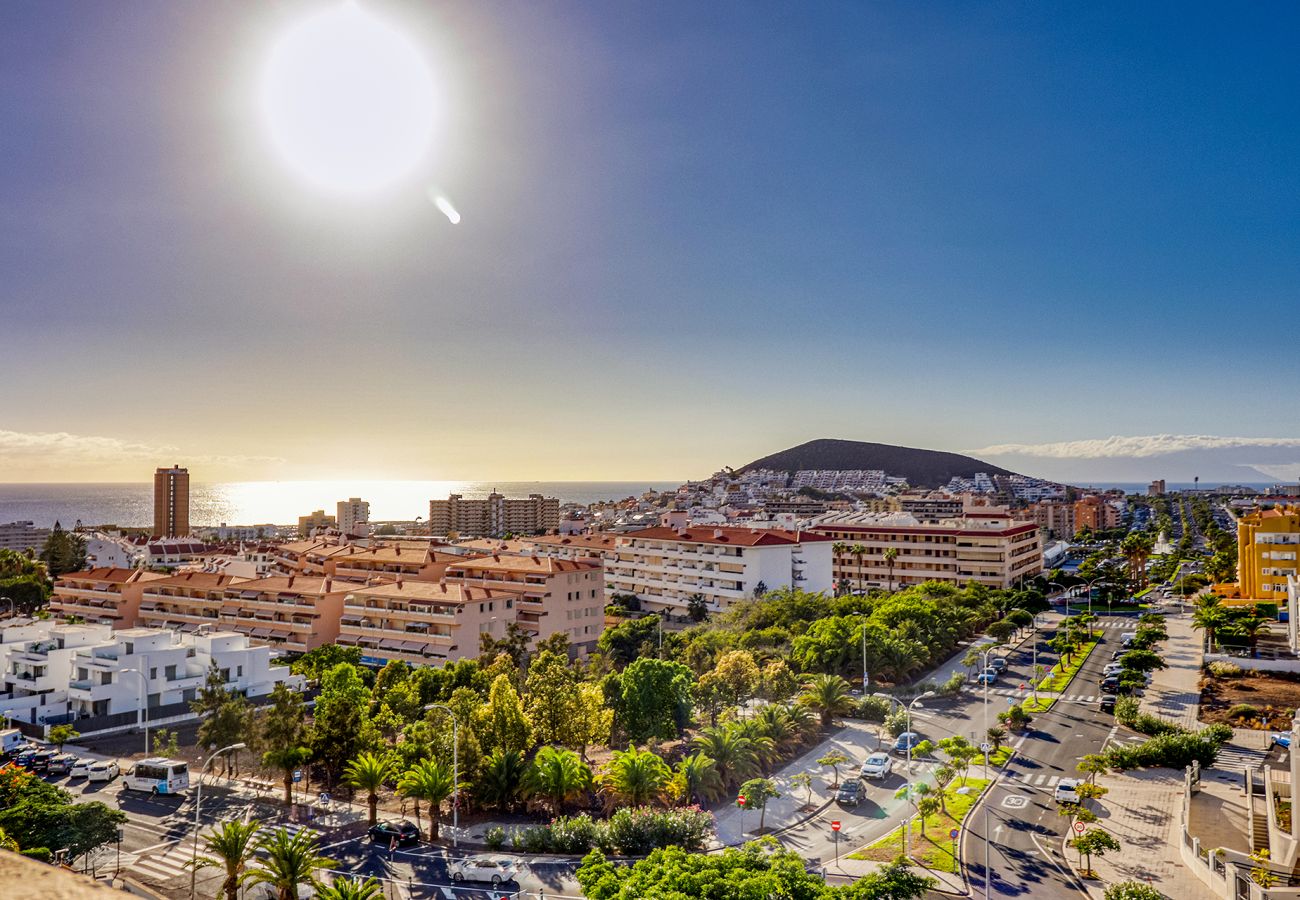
[[921, 468]]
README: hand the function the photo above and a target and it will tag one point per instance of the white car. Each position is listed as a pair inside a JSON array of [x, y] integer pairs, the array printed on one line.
[[1067, 791], [103, 771], [495, 869], [81, 768], [1112, 669], [878, 765]]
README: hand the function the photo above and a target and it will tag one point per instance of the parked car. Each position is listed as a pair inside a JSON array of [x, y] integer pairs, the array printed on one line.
[[103, 771], [24, 757], [1067, 791], [877, 765], [404, 831], [40, 761], [80, 768], [988, 676], [1108, 704], [998, 663], [495, 869], [906, 741], [1112, 668], [1117, 654], [1280, 739], [1128, 638], [850, 793], [62, 764]]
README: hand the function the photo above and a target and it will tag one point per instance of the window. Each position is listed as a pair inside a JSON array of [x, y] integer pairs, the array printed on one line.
[[153, 673], [239, 671]]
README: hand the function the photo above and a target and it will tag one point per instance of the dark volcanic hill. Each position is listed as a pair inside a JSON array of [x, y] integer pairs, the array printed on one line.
[[921, 468]]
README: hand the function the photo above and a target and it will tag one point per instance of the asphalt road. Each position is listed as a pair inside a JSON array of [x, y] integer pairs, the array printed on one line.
[[1019, 814]]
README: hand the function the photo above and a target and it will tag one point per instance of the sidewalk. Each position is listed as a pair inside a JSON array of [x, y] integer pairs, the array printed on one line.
[[1175, 691]]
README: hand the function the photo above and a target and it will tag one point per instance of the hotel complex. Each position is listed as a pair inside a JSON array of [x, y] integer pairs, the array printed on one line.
[[1267, 544], [494, 516], [171, 502]]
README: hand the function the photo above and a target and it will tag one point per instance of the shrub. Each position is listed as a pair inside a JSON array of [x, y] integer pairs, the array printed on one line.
[[1132, 890], [896, 723], [1225, 669], [1174, 751], [874, 709], [635, 832], [533, 840], [574, 834], [41, 854], [495, 837], [952, 687], [1243, 711]]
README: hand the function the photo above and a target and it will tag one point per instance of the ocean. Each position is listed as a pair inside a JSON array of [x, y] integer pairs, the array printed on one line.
[[278, 502]]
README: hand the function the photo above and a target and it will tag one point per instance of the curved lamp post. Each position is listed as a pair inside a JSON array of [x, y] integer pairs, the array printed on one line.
[[198, 802]]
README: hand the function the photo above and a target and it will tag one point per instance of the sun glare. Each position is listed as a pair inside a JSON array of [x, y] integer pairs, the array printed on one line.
[[348, 101]]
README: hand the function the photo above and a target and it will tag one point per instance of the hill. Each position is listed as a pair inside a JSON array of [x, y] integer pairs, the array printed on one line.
[[921, 468]]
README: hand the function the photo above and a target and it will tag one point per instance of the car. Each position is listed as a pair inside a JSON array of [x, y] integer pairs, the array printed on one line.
[[877, 765], [1117, 654], [1280, 739], [405, 832], [495, 869], [25, 758], [998, 663], [850, 793], [103, 771], [80, 768], [988, 676], [41, 760], [1067, 791], [1128, 638], [1108, 704], [62, 764], [1112, 668], [906, 741]]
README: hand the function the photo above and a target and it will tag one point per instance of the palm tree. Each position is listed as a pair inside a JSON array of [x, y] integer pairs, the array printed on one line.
[[230, 846], [556, 776], [290, 860], [765, 749], [347, 889], [732, 754], [288, 760], [698, 778], [429, 780], [774, 721], [857, 551], [804, 721], [891, 554], [828, 696], [500, 779], [368, 772], [1210, 617], [898, 658], [838, 551], [636, 777]]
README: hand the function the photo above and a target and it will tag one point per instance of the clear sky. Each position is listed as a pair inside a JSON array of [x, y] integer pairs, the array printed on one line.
[[693, 233]]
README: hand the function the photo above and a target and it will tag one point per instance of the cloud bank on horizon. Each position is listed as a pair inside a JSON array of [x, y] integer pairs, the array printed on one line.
[[1174, 457], [61, 456]]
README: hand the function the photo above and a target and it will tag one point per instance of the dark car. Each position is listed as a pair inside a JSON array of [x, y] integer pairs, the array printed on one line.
[[25, 758], [41, 760], [1112, 686], [1108, 704], [850, 793], [404, 831]]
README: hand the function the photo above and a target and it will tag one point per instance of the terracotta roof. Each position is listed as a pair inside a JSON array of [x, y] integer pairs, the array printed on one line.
[[292, 584], [505, 563], [199, 579], [736, 537], [112, 575], [591, 541], [429, 591]]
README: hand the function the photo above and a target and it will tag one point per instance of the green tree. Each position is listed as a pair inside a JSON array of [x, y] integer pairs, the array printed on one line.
[[995, 737], [514, 645], [622, 644], [636, 777], [1093, 842], [697, 780], [803, 781], [288, 861], [891, 557], [347, 889], [1092, 765], [230, 846], [283, 728], [502, 724], [556, 776], [313, 664], [369, 772], [732, 753], [833, 761], [552, 698], [342, 729], [62, 734], [166, 743], [593, 721], [738, 675], [777, 683], [63, 552], [828, 696], [431, 781], [500, 779], [697, 608], [226, 716], [651, 698]]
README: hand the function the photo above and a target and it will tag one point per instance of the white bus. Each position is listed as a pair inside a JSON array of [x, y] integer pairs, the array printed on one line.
[[158, 776]]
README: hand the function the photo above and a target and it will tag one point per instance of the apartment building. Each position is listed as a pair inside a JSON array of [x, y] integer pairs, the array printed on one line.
[[1156, 488], [422, 621], [986, 547], [552, 595], [22, 536], [171, 502], [494, 516], [407, 559], [36, 665], [317, 521], [353, 517], [1268, 541], [665, 566], [932, 506], [1095, 513], [107, 594], [1054, 517]]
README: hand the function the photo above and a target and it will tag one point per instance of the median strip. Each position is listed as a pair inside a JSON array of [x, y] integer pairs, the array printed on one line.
[[934, 847]]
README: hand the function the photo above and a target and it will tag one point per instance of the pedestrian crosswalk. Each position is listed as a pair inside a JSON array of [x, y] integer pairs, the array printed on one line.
[[1037, 779], [170, 861], [1231, 757], [1118, 624]]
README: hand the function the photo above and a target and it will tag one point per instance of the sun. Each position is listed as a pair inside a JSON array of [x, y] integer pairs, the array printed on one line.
[[348, 101]]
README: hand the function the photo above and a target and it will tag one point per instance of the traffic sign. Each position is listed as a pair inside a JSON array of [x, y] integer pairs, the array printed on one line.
[[835, 824], [985, 747], [297, 775], [1079, 827], [741, 800], [953, 834]]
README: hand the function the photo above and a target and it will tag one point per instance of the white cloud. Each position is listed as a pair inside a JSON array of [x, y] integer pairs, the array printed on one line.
[[1131, 447], [59, 448]]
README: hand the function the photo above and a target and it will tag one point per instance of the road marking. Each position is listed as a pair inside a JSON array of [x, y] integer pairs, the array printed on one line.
[[1014, 801]]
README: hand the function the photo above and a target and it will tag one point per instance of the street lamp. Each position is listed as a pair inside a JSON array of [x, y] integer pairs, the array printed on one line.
[[143, 713], [198, 802], [455, 772], [1098, 580], [907, 709]]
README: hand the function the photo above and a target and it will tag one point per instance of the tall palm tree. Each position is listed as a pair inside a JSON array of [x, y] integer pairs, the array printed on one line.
[[500, 779], [828, 696], [556, 776], [429, 780], [229, 846], [891, 555], [838, 551], [732, 753], [368, 772], [698, 778], [636, 777], [857, 551], [1210, 617], [290, 860], [347, 889], [288, 760]]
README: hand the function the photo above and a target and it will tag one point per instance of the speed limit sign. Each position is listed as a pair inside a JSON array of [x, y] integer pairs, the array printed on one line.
[[1079, 827]]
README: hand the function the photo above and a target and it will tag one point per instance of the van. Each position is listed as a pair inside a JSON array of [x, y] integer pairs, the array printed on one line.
[[11, 740]]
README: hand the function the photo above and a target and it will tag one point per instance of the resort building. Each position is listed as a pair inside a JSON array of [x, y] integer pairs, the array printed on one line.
[[317, 521], [494, 516], [407, 559], [422, 621], [22, 536], [171, 502], [986, 547], [353, 517], [665, 566], [109, 595], [1267, 544]]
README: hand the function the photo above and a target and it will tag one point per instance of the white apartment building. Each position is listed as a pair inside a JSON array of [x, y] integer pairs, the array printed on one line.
[[36, 663], [353, 517], [665, 566], [22, 536]]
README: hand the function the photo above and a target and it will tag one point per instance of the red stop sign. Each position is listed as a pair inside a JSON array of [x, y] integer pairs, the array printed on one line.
[[835, 825]]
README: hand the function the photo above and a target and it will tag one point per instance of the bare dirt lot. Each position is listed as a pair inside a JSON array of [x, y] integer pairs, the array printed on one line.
[[1274, 696]]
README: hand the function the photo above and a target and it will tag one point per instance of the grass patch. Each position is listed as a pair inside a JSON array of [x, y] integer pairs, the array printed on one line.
[[1041, 705], [1059, 678], [933, 849], [1000, 756]]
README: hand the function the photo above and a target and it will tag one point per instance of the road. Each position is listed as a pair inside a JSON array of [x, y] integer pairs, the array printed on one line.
[[1019, 813]]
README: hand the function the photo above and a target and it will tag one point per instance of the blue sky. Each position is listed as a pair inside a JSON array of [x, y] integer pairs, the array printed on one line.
[[693, 234]]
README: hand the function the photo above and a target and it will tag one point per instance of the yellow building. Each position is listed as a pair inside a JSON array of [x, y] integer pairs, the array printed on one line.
[[1267, 544]]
